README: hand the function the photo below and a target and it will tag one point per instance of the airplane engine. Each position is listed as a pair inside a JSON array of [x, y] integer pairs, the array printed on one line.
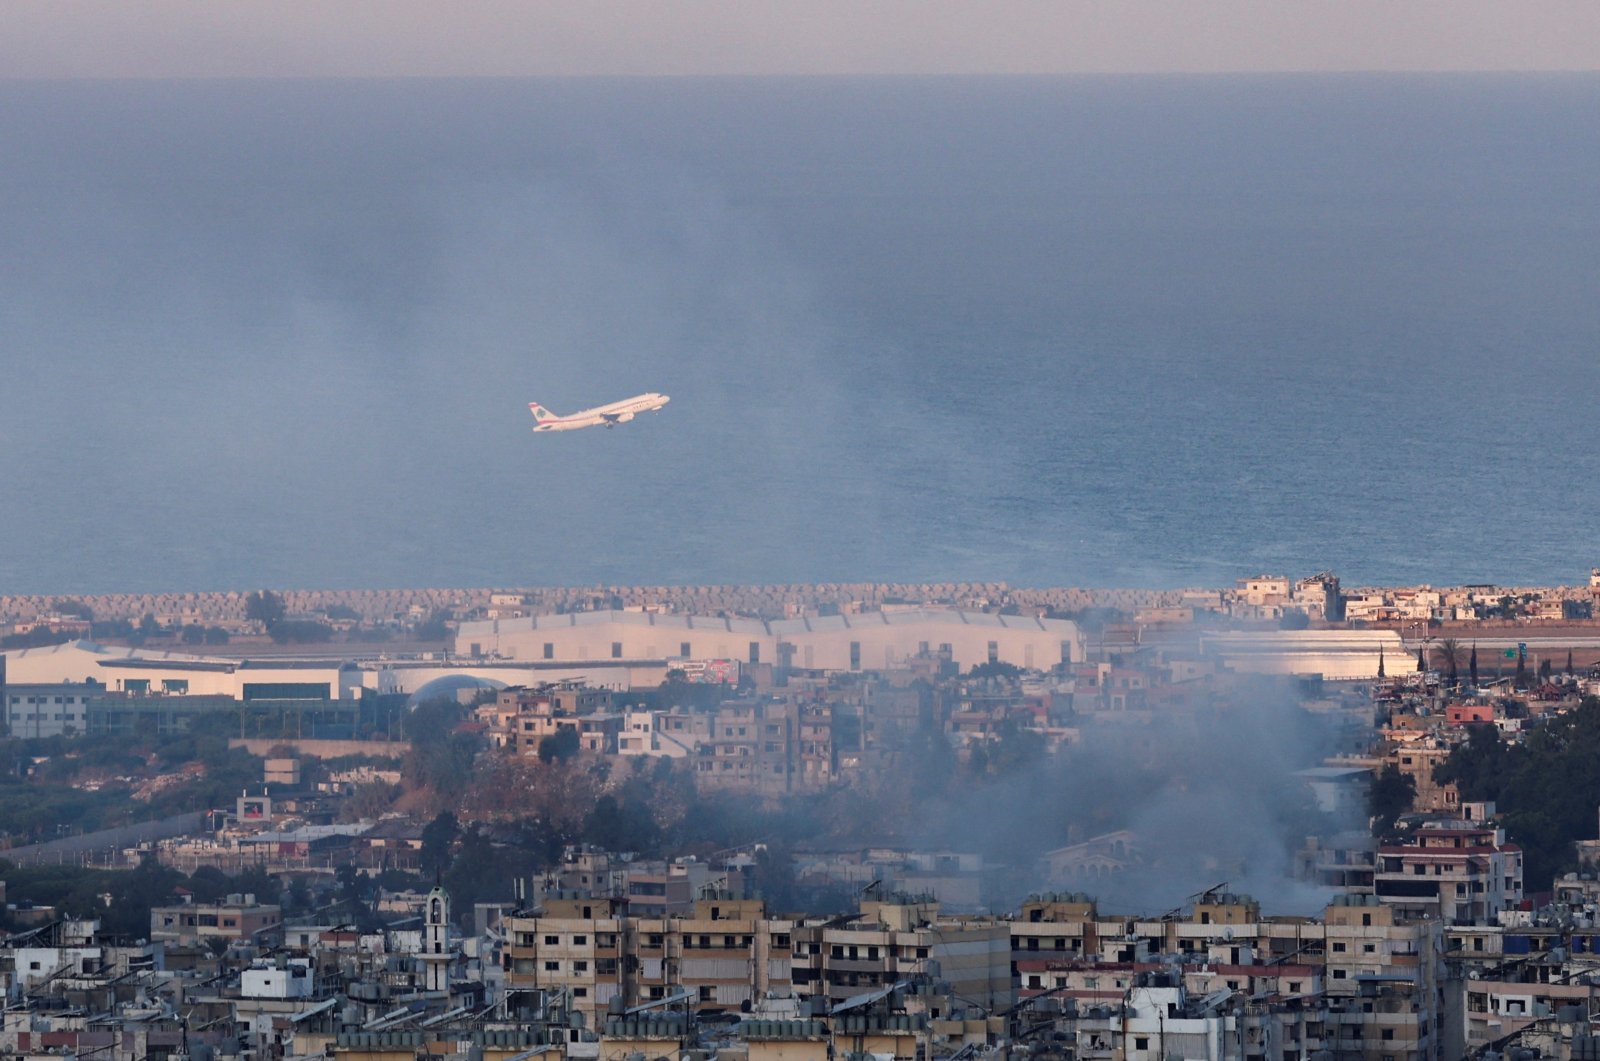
[[624, 418]]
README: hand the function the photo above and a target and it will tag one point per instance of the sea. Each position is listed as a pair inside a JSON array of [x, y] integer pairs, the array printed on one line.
[[1096, 331]]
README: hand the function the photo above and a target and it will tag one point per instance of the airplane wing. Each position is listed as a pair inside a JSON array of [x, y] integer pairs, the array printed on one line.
[[611, 418]]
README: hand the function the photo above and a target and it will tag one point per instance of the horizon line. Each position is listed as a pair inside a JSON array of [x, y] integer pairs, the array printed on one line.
[[1012, 75]]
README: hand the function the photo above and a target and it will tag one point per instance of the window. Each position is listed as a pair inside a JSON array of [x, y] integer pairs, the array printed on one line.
[[552, 967], [581, 941], [855, 655], [994, 652], [755, 652], [549, 650], [552, 941], [580, 967], [1141, 1042], [616, 650], [1338, 948], [1366, 919], [683, 649]]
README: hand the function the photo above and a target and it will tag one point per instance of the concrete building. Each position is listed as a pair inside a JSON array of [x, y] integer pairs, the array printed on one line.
[[237, 919], [1338, 655], [770, 746], [865, 641], [1451, 870], [33, 711], [521, 718], [140, 672]]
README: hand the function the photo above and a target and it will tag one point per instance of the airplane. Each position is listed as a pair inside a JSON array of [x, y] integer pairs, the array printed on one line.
[[601, 415]]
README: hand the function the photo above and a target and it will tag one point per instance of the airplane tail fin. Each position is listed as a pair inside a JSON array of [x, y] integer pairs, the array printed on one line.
[[540, 413]]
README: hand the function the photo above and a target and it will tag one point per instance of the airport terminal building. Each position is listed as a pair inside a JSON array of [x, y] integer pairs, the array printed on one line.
[[867, 641]]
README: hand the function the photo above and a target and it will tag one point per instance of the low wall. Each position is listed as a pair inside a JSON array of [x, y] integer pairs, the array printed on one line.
[[324, 749]]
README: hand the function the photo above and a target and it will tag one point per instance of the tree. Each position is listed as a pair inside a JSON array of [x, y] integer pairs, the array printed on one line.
[[264, 607], [75, 608], [1389, 797], [435, 628], [302, 631], [1449, 652], [560, 746], [1545, 788], [1472, 665], [621, 826], [437, 837], [995, 669]]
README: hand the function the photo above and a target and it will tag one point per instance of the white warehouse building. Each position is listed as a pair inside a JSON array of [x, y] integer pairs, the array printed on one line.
[[140, 671], [867, 641]]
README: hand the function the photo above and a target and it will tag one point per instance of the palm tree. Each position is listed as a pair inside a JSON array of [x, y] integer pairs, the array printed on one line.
[[1449, 650]]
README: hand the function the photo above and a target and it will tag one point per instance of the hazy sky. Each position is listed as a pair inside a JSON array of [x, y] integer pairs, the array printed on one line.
[[446, 38]]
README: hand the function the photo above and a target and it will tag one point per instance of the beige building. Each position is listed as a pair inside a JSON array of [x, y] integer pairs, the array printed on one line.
[[727, 952], [140, 672], [866, 641], [238, 919], [520, 719]]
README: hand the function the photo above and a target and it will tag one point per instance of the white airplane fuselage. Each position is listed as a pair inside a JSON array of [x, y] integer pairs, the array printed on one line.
[[600, 416]]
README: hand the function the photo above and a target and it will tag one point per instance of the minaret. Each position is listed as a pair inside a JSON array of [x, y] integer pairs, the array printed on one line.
[[436, 939]]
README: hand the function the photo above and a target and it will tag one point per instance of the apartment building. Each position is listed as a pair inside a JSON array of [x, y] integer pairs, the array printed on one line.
[[903, 940], [727, 953], [770, 746], [1458, 871], [521, 718], [237, 919]]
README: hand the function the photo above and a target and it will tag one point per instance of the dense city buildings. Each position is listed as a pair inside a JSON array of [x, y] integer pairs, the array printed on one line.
[[567, 770]]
